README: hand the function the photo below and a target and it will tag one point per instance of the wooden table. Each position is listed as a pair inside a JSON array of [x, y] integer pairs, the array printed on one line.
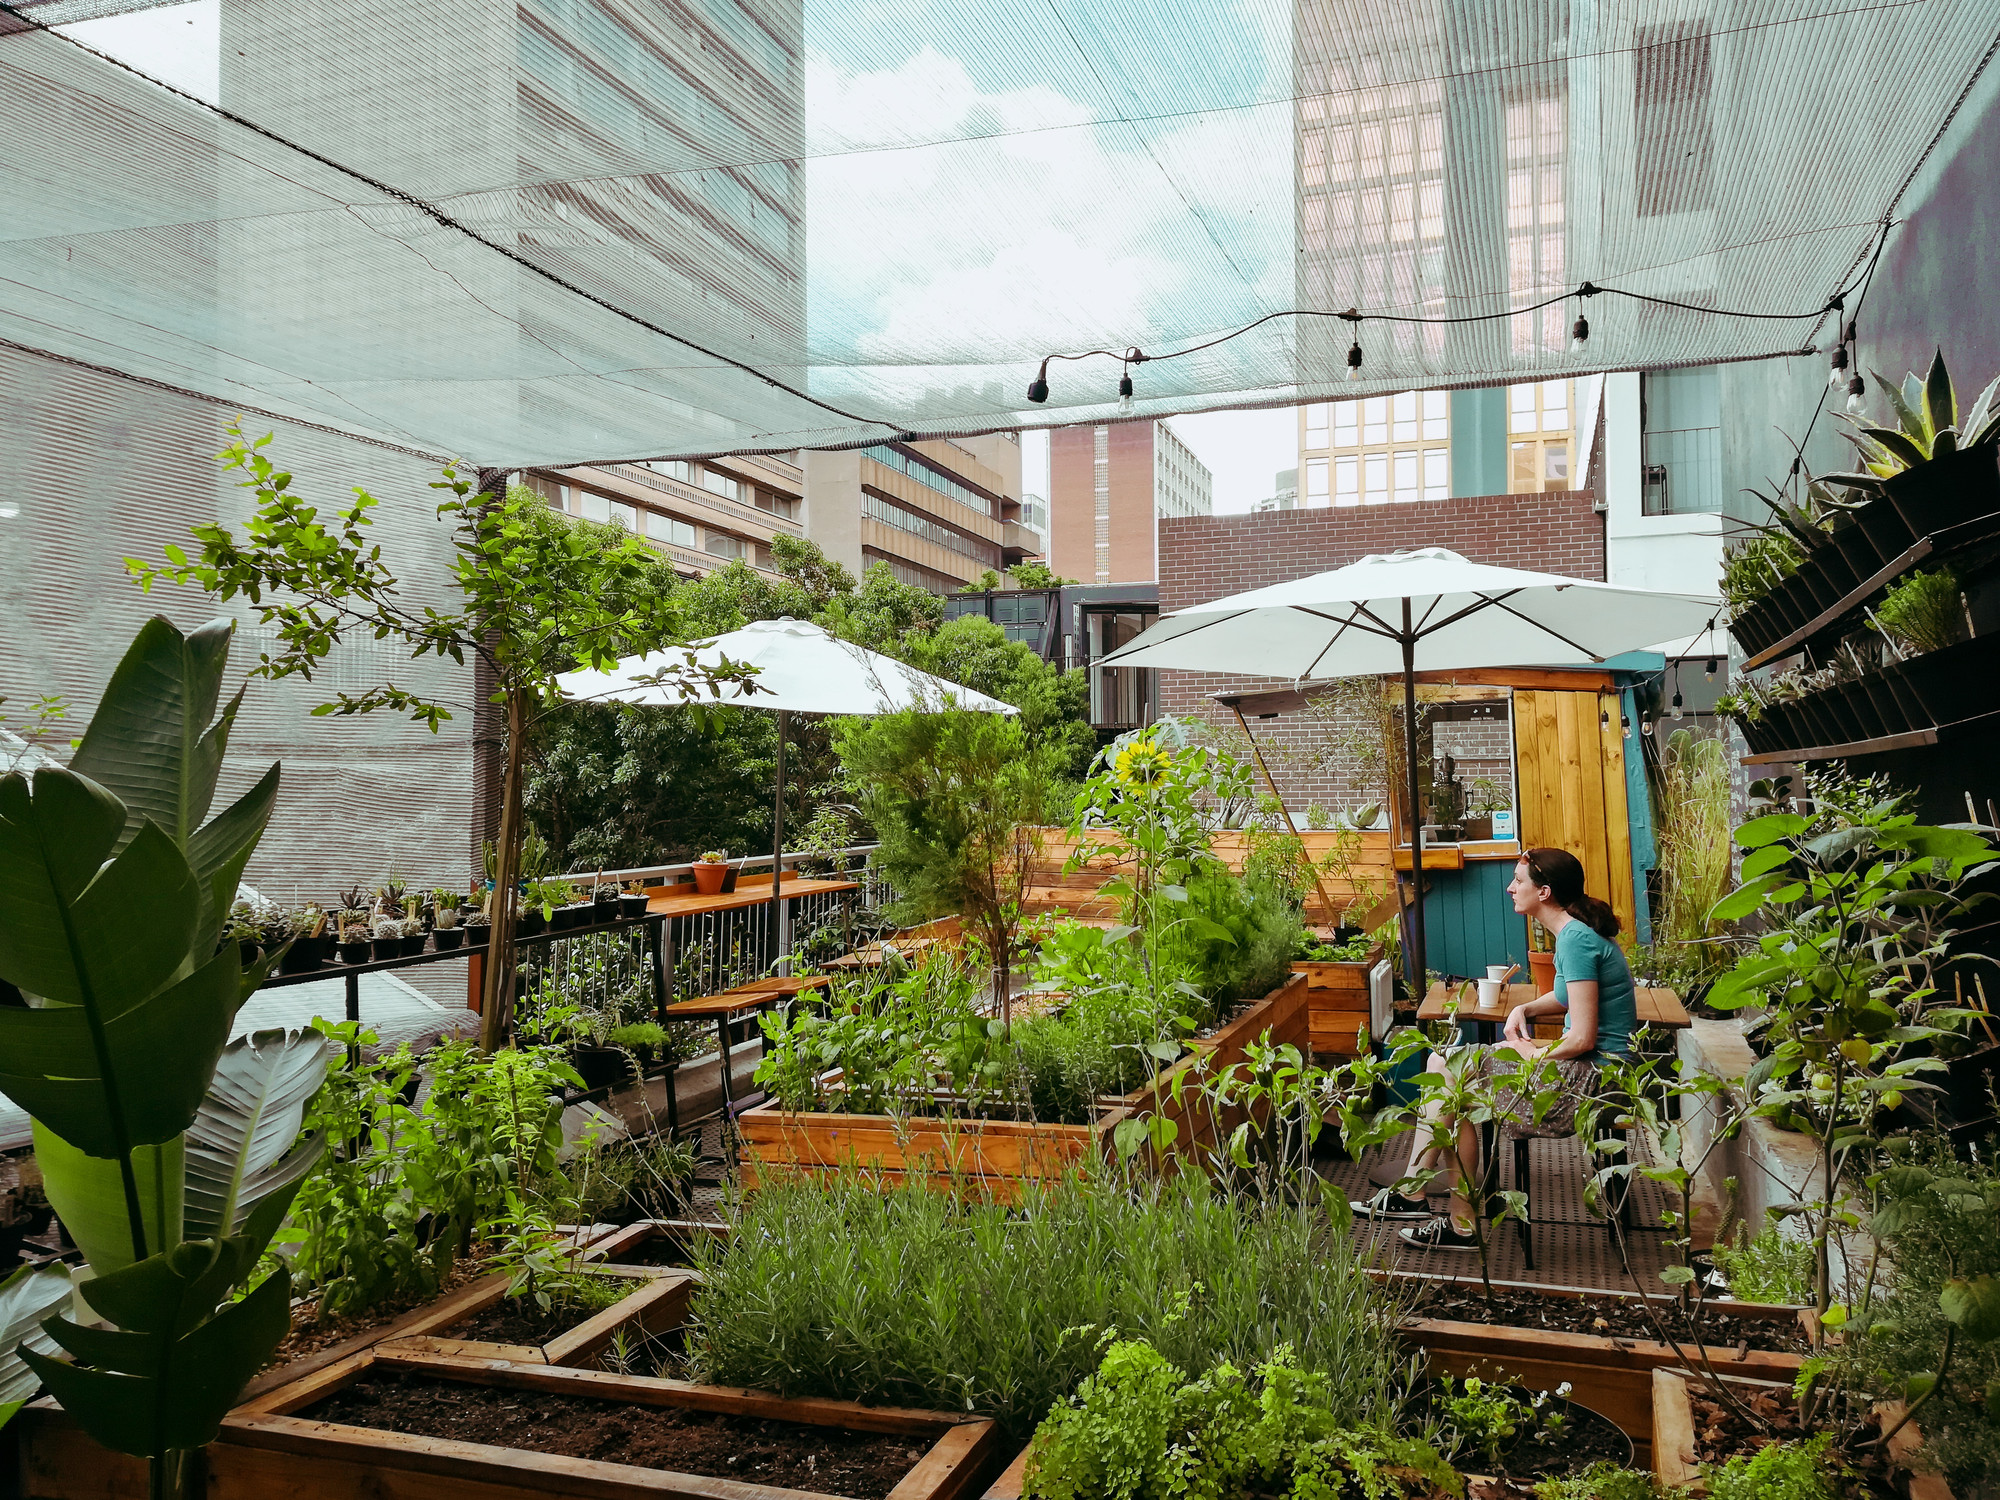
[[733, 1005], [874, 955], [1660, 1008], [685, 901]]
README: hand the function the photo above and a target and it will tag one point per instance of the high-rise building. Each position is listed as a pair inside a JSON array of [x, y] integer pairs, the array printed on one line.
[[940, 512], [703, 515], [1431, 445], [1109, 486]]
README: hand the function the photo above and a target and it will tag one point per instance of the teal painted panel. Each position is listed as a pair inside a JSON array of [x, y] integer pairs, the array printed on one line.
[[1639, 814], [1479, 442], [1469, 922]]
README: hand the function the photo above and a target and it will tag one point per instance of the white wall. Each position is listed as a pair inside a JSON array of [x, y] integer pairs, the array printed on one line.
[[1682, 553]]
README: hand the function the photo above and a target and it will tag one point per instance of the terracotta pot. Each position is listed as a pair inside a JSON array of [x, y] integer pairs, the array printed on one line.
[[1542, 971], [708, 878]]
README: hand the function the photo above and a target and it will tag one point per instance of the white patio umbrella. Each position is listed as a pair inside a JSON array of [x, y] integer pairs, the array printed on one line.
[[1409, 612], [801, 669]]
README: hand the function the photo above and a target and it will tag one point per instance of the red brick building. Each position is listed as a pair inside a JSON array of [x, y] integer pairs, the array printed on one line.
[[1207, 557]]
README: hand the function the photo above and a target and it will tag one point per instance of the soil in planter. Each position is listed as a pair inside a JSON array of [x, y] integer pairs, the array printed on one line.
[[309, 1335], [523, 1320], [790, 1455], [1607, 1317], [1720, 1434], [1583, 1438]]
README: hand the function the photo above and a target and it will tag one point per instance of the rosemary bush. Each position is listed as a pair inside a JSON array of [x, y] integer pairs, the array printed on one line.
[[914, 1297]]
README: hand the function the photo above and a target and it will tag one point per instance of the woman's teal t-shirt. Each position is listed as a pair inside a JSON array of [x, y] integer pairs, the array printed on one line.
[[1583, 954]]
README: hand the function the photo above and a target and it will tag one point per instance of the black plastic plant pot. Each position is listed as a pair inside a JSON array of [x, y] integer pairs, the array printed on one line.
[[1948, 491], [1752, 627], [413, 944], [530, 922], [1759, 734], [601, 1067], [1861, 553], [1832, 576], [631, 906], [1878, 705], [356, 952], [1855, 706], [380, 949], [449, 938], [1822, 725], [305, 955], [572, 916], [1885, 527], [1959, 682]]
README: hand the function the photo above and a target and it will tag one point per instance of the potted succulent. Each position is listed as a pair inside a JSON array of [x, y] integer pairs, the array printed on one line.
[[538, 903], [710, 871], [604, 898], [574, 909], [312, 940], [245, 930], [413, 935], [445, 915], [385, 938], [632, 900], [350, 930]]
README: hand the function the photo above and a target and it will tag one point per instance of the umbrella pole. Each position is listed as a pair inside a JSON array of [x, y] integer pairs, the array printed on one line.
[[1418, 968], [779, 936]]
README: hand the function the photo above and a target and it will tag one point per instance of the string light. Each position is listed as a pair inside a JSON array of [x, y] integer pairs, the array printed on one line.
[[1604, 719], [1038, 388], [1625, 724], [1679, 712], [1125, 392], [1579, 331], [1838, 373], [1646, 722], [1709, 671], [1856, 388]]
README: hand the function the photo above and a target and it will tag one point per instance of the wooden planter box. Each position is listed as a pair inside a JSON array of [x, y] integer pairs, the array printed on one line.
[[1613, 1376], [266, 1452], [1337, 1004], [1002, 1155], [1674, 1450]]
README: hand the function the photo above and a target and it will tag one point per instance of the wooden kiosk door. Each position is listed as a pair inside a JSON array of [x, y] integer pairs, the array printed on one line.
[[1569, 761]]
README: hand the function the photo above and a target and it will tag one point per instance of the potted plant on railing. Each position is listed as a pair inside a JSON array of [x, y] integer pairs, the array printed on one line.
[[244, 930], [632, 900], [385, 938], [604, 903], [710, 871], [445, 919], [413, 935]]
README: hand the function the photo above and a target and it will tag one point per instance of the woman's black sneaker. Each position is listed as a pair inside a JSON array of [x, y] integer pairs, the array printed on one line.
[[1390, 1204], [1439, 1234]]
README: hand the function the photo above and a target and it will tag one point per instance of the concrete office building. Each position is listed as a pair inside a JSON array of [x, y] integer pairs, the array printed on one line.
[[1109, 487]]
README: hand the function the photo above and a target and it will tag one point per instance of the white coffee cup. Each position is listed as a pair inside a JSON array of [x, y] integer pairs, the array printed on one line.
[[1498, 972], [1489, 994]]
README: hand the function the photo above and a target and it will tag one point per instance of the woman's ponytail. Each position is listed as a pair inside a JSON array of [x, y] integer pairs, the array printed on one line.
[[1561, 872]]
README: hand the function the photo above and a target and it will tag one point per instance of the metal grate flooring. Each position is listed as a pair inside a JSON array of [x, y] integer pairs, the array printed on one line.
[[1572, 1249]]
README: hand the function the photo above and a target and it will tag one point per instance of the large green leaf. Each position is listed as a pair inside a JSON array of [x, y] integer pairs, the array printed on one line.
[[167, 1374], [150, 741], [75, 930], [220, 848], [26, 1297], [1973, 1303], [244, 1144], [161, 1049], [88, 1195]]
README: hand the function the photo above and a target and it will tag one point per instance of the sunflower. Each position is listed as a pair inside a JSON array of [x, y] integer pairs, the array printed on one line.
[[1142, 763]]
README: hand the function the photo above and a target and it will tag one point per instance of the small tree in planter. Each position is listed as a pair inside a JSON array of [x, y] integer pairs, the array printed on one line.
[[537, 597], [957, 799]]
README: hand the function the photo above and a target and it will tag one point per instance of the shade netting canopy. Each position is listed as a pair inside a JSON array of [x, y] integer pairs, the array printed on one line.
[[550, 232], [800, 669]]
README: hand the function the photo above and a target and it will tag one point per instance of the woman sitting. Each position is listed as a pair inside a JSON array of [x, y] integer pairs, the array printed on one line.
[[1593, 990]]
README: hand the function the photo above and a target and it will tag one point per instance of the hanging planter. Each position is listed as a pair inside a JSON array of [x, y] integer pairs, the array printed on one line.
[[1947, 491]]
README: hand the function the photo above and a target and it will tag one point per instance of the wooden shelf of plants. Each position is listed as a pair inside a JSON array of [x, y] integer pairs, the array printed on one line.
[[1870, 588]]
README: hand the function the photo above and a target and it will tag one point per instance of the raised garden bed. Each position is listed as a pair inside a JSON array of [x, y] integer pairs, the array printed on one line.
[[417, 1425], [1691, 1429], [1337, 1003], [1613, 1371], [1001, 1155]]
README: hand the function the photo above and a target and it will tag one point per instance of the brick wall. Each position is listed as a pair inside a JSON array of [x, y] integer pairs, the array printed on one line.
[[1207, 557]]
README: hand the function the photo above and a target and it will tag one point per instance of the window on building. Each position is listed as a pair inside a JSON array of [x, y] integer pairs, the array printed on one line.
[[1346, 414], [596, 507], [1375, 420], [1555, 465], [722, 544], [1404, 407], [1316, 481], [1407, 487], [1316, 425], [1437, 473], [1521, 408], [669, 529], [1555, 405], [624, 515], [1521, 458], [1680, 420], [1346, 481], [1375, 477], [1437, 416], [717, 483]]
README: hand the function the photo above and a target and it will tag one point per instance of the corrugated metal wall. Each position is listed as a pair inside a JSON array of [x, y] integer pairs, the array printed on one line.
[[96, 469]]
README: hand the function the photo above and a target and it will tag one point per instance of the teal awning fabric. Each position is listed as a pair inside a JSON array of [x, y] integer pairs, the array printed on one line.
[[555, 231]]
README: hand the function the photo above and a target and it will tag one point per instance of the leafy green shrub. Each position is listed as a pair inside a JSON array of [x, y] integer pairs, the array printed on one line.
[[1752, 570], [913, 1297], [1235, 936], [1783, 1471], [1925, 612], [1606, 1481], [1766, 1268], [1139, 1429]]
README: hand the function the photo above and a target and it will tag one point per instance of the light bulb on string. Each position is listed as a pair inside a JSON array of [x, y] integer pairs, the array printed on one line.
[[1646, 722], [1679, 711], [1354, 360], [1708, 671], [1625, 724], [1604, 719], [1125, 392], [1838, 372], [1038, 388], [1579, 334], [1856, 387]]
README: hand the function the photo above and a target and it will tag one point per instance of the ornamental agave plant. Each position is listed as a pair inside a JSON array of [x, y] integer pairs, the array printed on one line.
[[168, 1152]]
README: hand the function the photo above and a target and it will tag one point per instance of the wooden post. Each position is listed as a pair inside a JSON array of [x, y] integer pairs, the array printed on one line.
[[1418, 969], [780, 937], [497, 992]]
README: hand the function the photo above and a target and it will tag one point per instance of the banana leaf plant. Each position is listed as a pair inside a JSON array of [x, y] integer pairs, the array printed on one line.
[[114, 884]]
